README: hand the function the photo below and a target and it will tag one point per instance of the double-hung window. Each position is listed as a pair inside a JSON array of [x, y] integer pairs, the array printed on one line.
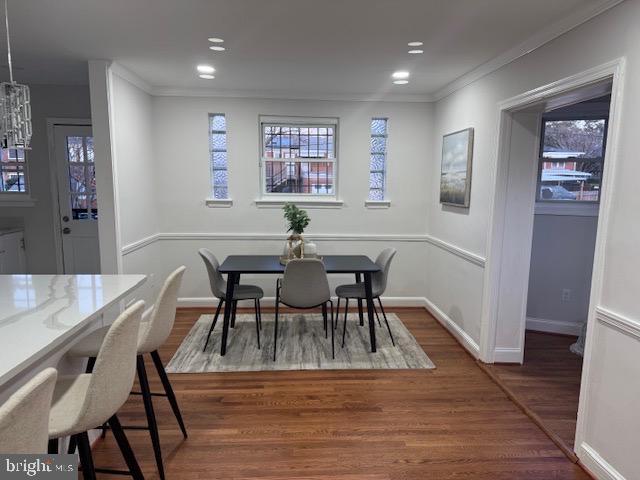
[[13, 173], [298, 156]]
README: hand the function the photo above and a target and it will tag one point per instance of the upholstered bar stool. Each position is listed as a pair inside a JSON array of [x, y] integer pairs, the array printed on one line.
[[86, 401], [24, 417], [155, 327]]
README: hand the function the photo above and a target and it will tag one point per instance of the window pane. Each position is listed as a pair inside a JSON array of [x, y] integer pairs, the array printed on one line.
[[77, 178], [377, 162], [219, 160], [89, 142], [218, 155], [316, 178], [574, 139], [219, 122], [12, 178], [376, 194], [218, 141], [294, 141], [376, 180], [75, 149], [378, 144]]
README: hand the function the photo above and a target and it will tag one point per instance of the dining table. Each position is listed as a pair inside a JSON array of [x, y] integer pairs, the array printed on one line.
[[361, 266]]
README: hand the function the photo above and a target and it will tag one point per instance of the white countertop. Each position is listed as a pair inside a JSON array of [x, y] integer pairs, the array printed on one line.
[[39, 313]]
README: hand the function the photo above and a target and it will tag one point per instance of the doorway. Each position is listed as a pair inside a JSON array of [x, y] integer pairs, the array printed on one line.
[[77, 212]]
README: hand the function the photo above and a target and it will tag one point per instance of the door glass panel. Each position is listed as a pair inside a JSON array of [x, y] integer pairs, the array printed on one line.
[[82, 178]]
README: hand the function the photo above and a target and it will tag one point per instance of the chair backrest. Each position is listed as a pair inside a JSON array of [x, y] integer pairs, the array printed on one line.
[[114, 370], [155, 331], [217, 281], [24, 418], [379, 279], [305, 283]]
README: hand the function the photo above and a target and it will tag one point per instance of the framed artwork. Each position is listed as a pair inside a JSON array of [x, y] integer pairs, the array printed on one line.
[[455, 175]]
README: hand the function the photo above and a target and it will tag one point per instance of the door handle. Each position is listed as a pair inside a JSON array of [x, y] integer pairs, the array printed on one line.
[[66, 230]]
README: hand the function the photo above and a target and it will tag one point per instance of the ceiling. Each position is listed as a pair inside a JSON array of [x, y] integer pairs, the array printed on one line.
[[288, 47]]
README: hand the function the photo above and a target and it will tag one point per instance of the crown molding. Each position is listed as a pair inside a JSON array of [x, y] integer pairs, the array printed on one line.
[[532, 43], [131, 77]]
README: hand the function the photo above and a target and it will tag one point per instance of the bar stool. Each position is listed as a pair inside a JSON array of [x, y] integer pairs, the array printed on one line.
[[155, 327], [24, 417], [86, 401]]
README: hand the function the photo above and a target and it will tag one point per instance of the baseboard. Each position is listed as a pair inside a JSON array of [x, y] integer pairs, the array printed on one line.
[[597, 465], [507, 355], [553, 326], [463, 337], [211, 302]]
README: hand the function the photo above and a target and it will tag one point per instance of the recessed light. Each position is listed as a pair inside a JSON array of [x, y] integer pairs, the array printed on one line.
[[415, 44], [217, 48], [205, 69], [400, 74], [206, 76], [401, 82], [216, 40], [413, 52]]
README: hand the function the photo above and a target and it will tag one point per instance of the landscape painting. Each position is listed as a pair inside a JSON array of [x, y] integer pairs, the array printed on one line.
[[455, 176]]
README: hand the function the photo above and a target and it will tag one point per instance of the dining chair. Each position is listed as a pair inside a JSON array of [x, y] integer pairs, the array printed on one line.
[[219, 290], [155, 327], [24, 417], [378, 287], [86, 401], [304, 285]]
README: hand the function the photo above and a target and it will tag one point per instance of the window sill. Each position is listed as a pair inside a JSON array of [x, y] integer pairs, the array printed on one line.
[[218, 202], [16, 200], [279, 202], [567, 209], [377, 204]]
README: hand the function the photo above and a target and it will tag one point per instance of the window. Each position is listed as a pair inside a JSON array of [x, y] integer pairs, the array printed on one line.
[[13, 171], [218, 155], [298, 156], [571, 159], [378, 159]]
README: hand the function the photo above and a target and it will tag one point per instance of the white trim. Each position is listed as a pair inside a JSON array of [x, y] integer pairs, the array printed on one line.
[[567, 209], [218, 202], [275, 202], [456, 330], [597, 465], [457, 251], [138, 244], [211, 302], [538, 40], [621, 323], [377, 204], [132, 78], [553, 326], [16, 200], [507, 355]]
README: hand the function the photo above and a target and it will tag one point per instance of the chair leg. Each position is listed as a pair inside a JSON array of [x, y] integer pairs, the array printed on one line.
[[377, 316], [213, 324], [384, 315], [125, 448], [337, 312], [53, 446], [255, 304], [275, 327], [168, 389], [259, 313], [333, 348], [151, 417], [233, 314], [324, 318], [86, 460], [90, 364], [72, 445], [344, 325]]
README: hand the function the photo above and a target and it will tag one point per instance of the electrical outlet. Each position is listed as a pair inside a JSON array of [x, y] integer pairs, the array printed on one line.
[[566, 295]]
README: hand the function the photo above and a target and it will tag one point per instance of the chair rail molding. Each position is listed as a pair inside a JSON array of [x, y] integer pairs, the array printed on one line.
[[619, 322]]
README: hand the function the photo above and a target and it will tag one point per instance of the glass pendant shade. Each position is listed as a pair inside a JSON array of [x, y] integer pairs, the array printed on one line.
[[15, 116]]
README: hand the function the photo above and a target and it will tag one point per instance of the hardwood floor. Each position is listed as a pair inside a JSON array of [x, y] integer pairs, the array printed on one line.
[[451, 422], [548, 382]]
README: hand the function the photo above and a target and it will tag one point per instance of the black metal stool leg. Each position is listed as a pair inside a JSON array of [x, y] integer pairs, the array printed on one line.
[[168, 389], [151, 417], [125, 448]]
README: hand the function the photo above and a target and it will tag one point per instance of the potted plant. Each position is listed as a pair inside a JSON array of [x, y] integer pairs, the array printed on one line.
[[297, 221]]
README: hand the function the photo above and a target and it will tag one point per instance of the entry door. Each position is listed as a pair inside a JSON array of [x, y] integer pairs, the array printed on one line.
[[78, 206]]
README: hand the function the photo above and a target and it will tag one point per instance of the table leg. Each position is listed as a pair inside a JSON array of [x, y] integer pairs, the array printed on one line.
[[235, 304], [359, 280], [228, 307], [370, 307]]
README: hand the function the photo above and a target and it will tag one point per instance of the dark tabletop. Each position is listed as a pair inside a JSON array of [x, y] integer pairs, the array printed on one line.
[[271, 264]]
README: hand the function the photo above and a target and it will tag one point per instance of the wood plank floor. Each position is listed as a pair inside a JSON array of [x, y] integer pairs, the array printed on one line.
[[451, 422], [548, 382]]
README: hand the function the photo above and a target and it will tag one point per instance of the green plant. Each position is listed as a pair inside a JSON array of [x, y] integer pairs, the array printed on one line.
[[298, 219]]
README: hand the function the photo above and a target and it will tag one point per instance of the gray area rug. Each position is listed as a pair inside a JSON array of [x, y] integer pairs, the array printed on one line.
[[301, 346]]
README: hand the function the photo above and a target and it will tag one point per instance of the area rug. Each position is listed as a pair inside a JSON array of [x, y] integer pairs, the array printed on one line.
[[301, 346]]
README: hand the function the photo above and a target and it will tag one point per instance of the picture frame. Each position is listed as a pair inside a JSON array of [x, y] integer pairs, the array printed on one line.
[[456, 168]]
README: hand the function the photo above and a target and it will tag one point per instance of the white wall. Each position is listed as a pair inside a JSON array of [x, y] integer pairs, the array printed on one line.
[[46, 101], [611, 425]]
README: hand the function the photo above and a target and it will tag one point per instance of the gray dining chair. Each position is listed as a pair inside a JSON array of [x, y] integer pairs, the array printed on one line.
[[219, 290], [378, 287], [304, 285]]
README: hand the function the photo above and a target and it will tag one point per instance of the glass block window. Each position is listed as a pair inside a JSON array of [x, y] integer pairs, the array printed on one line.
[[378, 159], [299, 158], [218, 155], [12, 171]]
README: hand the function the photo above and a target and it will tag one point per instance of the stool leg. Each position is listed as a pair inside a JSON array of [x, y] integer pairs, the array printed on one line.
[[151, 417], [86, 460], [157, 361], [125, 448]]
